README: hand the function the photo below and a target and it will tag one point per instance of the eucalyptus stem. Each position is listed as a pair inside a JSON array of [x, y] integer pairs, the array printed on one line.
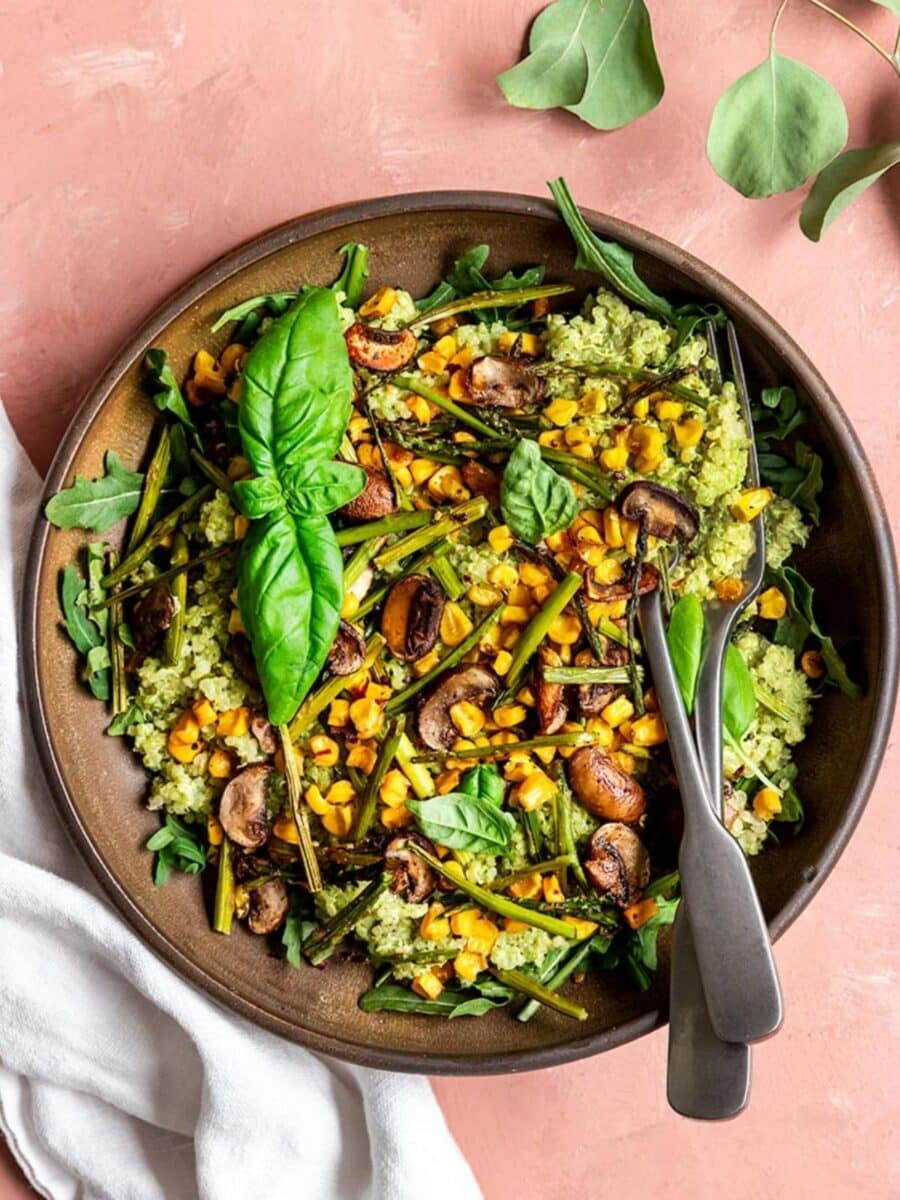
[[454, 519], [163, 576], [174, 642], [542, 868], [213, 473], [571, 964], [577, 737], [301, 821], [400, 700], [316, 702], [157, 535], [538, 628], [119, 687], [396, 523], [861, 33], [588, 674], [529, 986], [489, 299], [153, 484], [321, 944], [493, 902], [410, 384], [386, 752], [223, 905]]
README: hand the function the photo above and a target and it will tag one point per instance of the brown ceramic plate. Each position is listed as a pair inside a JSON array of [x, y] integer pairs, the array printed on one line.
[[99, 787]]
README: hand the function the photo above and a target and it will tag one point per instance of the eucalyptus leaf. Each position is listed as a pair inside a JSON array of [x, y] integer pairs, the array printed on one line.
[[464, 822], [775, 126], [97, 503], [847, 177], [555, 72], [534, 499], [624, 79]]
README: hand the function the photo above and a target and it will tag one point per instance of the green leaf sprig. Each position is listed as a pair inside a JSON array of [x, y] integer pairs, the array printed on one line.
[[295, 406], [471, 818], [97, 504], [534, 499], [160, 382]]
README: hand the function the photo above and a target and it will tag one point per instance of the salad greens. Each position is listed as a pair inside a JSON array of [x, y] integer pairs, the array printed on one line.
[[97, 504], [534, 499]]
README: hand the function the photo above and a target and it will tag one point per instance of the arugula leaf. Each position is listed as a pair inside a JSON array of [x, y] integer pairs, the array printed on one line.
[[738, 696], [686, 638], [391, 997], [83, 632], [97, 504], [806, 493], [774, 127], [845, 178], [485, 782], [800, 623], [462, 821], [611, 261], [466, 278], [354, 273], [122, 722], [178, 847], [476, 1007], [642, 946], [160, 382], [534, 499], [273, 303]]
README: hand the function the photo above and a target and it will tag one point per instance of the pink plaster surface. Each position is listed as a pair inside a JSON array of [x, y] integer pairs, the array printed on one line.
[[142, 140]]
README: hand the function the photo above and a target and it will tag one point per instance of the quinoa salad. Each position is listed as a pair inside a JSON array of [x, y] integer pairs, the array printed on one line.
[[371, 624]]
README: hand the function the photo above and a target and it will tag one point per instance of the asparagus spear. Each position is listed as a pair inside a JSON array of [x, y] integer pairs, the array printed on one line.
[[489, 299], [577, 737], [410, 384], [301, 821], [174, 642], [153, 485], [163, 576], [588, 674], [223, 907], [386, 753], [529, 986], [319, 700], [157, 535], [116, 650], [396, 523], [321, 944], [448, 522], [538, 628], [213, 473], [557, 979]]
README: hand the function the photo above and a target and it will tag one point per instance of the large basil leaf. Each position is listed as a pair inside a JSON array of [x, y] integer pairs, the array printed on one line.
[[774, 127], [97, 503], [463, 822], [534, 500], [297, 387], [686, 636], [843, 180], [317, 488], [290, 593]]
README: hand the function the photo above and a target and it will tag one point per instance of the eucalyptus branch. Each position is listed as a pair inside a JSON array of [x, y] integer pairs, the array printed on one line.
[[890, 59]]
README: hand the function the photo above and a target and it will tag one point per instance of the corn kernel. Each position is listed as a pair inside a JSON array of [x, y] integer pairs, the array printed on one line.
[[687, 433], [208, 374], [235, 624], [511, 925], [340, 793], [508, 715], [214, 830], [482, 596], [519, 766], [617, 711], [561, 412], [583, 929], [500, 538], [424, 664], [766, 803], [751, 502], [591, 403], [362, 756], [338, 714], [772, 604], [535, 790], [433, 926], [481, 940], [647, 443], [468, 719], [515, 614], [457, 389], [612, 528], [455, 625], [379, 303], [468, 966], [339, 820], [668, 410], [551, 438], [324, 750], [641, 408], [553, 893], [203, 711], [394, 789], [510, 636], [523, 343], [812, 664], [316, 801], [504, 575], [614, 458], [502, 663], [432, 363], [234, 722], [240, 527], [446, 346], [639, 914], [627, 762], [729, 589], [220, 765], [444, 325], [526, 888], [422, 469], [565, 629], [648, 730], [285, 829], [464, 357], [367, 716], [238, 468], [232, 358], [420, 409]]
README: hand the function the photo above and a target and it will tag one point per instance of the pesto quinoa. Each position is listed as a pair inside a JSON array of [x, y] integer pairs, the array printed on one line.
[[371, 633]]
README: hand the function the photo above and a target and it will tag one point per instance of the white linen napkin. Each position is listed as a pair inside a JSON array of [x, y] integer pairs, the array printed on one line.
[[120, 1080]]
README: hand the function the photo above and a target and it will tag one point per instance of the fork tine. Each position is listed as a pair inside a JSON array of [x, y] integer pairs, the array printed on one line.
[[712, 344], [756, 567]]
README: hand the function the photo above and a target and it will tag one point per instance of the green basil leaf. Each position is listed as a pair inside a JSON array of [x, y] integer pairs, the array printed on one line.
[[160, 382], [534, 500], [484, 781], [256, 497], [686, 638], [738, 696], [845, 178], [555, 73], [354, 273], [806, 493], [297, 387], [290, 592], [609, 260], [774, 127], [97, 503], [800, 623], [317, 488], [624, 79], [463, 822], [274, 303]]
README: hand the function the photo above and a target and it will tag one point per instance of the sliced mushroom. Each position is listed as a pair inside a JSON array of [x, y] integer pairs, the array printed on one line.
[[475, 683], [618, 864], [481, 481], [379, 349], [264, 732], [622, 588], [268, 906], [348, 651], [496, 381], [151, 617], [411, 876], [241, 653], [594, 697], [411, 619], [603, 788], [375, 500], [660, 511], [243, 807], [552, 708]]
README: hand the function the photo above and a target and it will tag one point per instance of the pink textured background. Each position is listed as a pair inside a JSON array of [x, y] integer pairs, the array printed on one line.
[[142, 140]]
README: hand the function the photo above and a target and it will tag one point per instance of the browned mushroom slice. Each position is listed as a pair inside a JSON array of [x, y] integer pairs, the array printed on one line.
[[411, 619], [660, 511], [594, 697], [411, 876], [241, 653], [268, 906], [475, 683], [375, 500], [481, 481], [496, 381], [379, 349], [618, 864], [552, 708], [348, 651], [264, 732], [621, 589], [243, 807], [151, 617], [603, 788]]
